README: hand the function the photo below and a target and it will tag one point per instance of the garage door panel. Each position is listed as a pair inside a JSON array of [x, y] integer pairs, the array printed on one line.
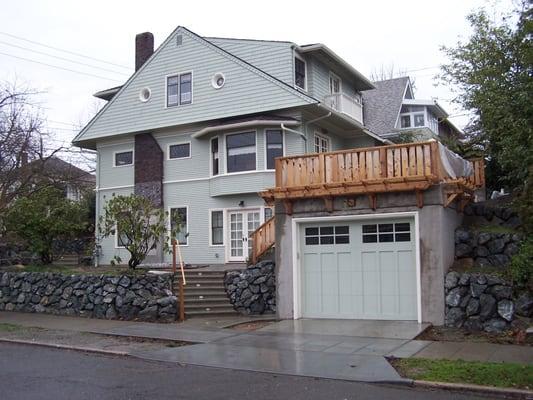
[[372, 278], [312, 288]]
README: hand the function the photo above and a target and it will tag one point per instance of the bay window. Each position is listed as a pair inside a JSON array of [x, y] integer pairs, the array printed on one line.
[[274, 147], [240, 152]]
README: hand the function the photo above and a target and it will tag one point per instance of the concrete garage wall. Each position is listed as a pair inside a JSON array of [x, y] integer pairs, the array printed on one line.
[[436, 231]]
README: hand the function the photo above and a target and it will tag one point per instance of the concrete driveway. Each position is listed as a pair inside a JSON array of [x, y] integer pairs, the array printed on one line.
[[337, 349]]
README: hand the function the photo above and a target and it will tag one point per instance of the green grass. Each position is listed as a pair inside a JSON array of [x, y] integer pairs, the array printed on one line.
[[10, 327], [504, 375]]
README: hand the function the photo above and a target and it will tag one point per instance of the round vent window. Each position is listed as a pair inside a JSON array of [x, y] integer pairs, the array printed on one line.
[[218, 80], [145, 94]]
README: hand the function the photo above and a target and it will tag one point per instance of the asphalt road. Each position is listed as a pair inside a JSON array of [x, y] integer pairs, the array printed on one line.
[[32, 372]]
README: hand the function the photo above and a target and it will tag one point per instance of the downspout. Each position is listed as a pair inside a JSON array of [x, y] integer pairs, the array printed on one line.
[[306, 125], [96, 250]]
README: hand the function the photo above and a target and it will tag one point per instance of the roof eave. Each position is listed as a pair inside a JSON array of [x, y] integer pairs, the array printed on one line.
[[367, 84]]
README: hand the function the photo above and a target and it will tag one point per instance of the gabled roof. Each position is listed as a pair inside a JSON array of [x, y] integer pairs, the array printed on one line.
[[298, 96], [382, 104]]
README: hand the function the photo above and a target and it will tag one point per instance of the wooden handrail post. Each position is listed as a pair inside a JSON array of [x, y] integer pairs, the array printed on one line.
[[181, 316], [173, 256]]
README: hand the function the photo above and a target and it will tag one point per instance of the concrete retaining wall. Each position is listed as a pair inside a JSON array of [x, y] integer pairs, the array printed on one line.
[[436, 224]]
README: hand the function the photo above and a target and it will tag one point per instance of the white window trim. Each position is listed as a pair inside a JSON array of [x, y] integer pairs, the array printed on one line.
[[123, 151], [265, 146], [296, 55], [178, 74], [334, 75], [210, 211], [322, 136], [179, 158], [211, 157], [169, 222], [226, 155], [296, 260], [412, 119]]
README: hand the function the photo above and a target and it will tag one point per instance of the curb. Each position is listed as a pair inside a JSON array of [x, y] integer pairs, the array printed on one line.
[[66, 347], [478, 389]]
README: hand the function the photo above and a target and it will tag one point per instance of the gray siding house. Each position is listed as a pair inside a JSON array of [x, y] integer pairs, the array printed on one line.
[[200, 123], [391, 110], [228, 132]]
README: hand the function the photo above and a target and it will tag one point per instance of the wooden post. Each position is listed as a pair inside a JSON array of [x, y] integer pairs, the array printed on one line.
[[174, 256], [181, 316]]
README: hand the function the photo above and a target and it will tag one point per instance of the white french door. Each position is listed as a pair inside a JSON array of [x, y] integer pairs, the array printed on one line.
[[241, 225]]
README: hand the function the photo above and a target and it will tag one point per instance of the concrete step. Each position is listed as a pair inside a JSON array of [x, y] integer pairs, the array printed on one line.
[[201, 287], [191, 302], [196, 282], [205, 274]]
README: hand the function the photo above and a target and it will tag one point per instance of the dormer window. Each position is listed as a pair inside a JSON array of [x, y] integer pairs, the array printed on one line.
[[412, 117], [300, 72], [179, 89]]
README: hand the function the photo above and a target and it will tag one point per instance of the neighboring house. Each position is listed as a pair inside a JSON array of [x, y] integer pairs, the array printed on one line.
[[74, 181], [391, 110], [205, 124]]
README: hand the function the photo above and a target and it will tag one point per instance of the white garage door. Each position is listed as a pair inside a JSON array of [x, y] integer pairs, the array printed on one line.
[[358, 270]]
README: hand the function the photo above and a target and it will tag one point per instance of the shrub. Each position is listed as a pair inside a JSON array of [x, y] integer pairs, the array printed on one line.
[[521, 266]]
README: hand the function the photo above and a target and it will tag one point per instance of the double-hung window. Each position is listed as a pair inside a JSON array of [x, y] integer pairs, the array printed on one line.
[[321, 144], [241, 152], [179, 215], [300, 71], [217, 228], [274, 147], [412, 117], [179, 89]]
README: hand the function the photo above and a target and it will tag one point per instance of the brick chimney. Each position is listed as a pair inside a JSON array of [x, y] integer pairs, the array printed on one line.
[[144, 48]]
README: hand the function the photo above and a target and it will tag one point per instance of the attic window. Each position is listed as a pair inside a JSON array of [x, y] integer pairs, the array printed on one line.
[[300, 72], [179, 89]]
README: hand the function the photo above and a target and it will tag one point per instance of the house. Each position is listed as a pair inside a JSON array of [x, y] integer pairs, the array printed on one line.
[[205, 124], [75, 182], [391, 110]]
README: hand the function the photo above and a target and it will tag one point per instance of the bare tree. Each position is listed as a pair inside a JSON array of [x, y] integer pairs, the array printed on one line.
[[21, 141], [390, 71]]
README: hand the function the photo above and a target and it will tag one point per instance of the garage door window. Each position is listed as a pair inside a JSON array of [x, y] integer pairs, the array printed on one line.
[[327, 235], [387, 233]]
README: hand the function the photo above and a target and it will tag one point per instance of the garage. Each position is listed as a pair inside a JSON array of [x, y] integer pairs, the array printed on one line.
[[358, 269]]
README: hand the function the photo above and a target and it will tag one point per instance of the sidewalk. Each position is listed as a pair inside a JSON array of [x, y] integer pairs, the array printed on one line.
[[277, 349]]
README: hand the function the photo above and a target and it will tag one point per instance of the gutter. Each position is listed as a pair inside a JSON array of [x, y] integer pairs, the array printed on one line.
[[239, 125]]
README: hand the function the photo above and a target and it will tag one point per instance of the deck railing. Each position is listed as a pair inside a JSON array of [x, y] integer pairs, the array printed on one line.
[[263, 238], [399, 167], [345, 104], [394, 163]]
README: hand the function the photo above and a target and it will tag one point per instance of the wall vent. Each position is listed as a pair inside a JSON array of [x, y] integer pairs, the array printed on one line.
[[179, 40]]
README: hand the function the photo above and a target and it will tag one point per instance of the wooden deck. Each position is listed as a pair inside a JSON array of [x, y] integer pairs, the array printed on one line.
[[367, 171]]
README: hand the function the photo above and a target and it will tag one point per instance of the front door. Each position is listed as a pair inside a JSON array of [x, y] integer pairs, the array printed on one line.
[[241, 225]]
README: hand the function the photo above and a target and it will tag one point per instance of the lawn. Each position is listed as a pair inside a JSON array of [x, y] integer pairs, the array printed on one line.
[[504, 375]]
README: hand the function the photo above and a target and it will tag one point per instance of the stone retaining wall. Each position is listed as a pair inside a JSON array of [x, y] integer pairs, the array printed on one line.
[[485, 249], [147, 297], [483, 302], [253, 290]]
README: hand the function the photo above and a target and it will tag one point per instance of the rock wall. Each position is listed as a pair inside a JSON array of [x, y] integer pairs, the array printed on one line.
[[253, 290], [485, 249], [483, 302], [146, 297]]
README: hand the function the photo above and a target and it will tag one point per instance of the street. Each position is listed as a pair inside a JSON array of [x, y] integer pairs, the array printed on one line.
[[34, 372]]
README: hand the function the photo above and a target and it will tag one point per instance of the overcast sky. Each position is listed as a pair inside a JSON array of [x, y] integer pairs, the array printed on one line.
[[368, 34]]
